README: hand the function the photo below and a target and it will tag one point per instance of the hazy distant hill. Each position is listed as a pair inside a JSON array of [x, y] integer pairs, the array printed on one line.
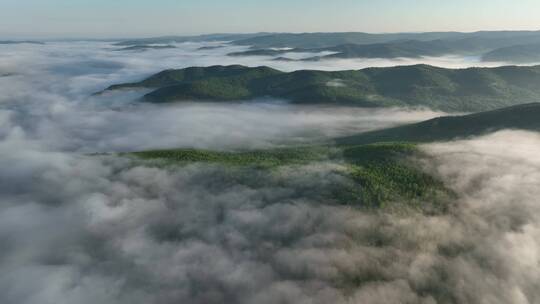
[[366, 45], [409, 49], [20, 42], [416, 48], [146, 47], [529, 53], [524, 117], [324, 40], [473, 89], [266, 52], [199, 38], [477, 40], [498, 48], [210, 47]]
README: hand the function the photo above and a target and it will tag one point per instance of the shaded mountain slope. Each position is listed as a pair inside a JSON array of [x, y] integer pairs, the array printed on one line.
[[528, 53], [523, 117]]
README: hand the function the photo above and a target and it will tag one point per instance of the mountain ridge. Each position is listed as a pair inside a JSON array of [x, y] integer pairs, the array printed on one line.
[[459, 90], [520, 117]]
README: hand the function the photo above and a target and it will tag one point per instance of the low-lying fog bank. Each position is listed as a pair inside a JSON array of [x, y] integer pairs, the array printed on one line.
[[81, 229], [47, 99], [65, 126]]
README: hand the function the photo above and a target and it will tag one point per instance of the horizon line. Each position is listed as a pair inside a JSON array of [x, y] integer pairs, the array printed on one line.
[[56, 36]]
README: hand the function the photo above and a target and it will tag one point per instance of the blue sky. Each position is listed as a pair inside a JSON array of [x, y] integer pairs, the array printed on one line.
[[126, 18]]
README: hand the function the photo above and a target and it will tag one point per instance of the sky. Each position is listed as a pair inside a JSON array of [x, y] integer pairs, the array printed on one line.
[[136, 18]]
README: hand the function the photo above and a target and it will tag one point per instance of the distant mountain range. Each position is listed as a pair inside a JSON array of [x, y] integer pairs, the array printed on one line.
[[406, 49], [471, 41], [522, 117], [415, 49], [461, 90], [180, 39], [145, 47], [20, 42], [507, 46], [325, 40]]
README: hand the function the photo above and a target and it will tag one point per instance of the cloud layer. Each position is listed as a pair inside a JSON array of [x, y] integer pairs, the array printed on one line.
[[84, 229], [80, 229]]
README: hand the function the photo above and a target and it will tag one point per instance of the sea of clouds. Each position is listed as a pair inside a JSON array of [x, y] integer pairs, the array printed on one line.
[[80, 228]]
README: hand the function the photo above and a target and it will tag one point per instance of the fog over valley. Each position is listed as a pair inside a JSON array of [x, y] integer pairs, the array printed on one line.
[[106, 197], [47, 97]]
